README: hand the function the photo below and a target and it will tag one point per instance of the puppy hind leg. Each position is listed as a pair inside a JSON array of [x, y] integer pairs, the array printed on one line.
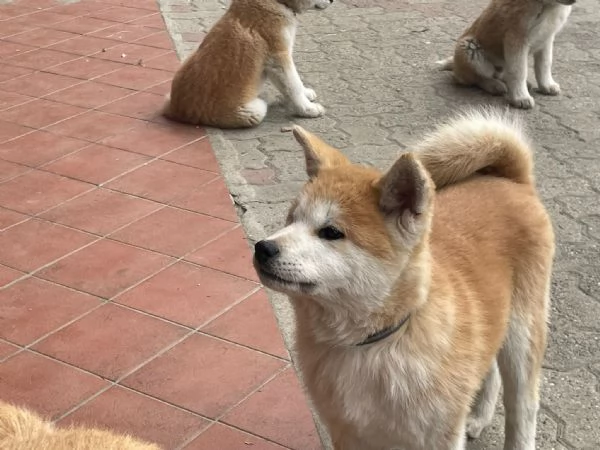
[[482, 411], [252, 113], [520, 367]]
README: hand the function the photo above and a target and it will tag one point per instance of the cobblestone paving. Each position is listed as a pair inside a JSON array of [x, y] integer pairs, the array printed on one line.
[[372, 65]]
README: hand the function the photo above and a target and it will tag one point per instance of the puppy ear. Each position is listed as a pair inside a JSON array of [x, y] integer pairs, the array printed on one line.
[[318, 154], [406, 191]]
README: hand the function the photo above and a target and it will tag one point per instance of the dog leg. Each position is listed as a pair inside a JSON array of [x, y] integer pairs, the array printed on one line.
[[252, 113], [516, 74], [282, 72], [482, 412], [493, 86], [543, 69], [520, 367]]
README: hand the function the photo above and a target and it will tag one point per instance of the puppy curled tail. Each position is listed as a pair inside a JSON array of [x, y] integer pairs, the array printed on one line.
[[484, 141]]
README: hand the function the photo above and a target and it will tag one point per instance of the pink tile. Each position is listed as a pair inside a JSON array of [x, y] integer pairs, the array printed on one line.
[[154, 139], [204, 375], [10, 99], [124, 411], [96, 163], [93, 126], [105, 268], [90, 94], [9, 72], [7, 349], [8, 218], [269, 413], [38, 148], [32, 308], [10, 131], [36, 191], [50, 387], [38, 84], [41, 59], [34, 243], [10, 170], [251, 323], [85, 68], [39, 113], [212, 199], [8, 275], [225, 437], [110, 341], [161, 181], [100, 211], [197, 154], [187, 294], [172, 231], [229, 253]]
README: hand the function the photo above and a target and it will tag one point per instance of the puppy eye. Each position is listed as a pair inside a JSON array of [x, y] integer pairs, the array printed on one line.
[[330, 233]]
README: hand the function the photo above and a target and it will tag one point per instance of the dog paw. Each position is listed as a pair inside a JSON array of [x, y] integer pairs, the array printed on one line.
[[311, 110], [310, 94], [475, 426], [494, 86], [523, 102], [550, 89]]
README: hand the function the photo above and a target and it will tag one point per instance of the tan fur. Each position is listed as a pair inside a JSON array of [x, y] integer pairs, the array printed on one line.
[[21, 429], [492, 53], [469, 262], [219, 85]]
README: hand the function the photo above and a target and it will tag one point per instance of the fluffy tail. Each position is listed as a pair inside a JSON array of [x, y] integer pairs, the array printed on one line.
[[446, 64], [484, 141]]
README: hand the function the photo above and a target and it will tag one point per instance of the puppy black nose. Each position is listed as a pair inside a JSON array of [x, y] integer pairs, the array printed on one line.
[[265, 250]]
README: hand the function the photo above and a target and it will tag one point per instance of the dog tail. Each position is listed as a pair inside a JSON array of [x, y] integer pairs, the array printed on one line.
[[483, 141], [446, 64]]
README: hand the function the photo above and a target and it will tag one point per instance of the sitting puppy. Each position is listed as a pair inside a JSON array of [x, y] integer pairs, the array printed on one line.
[[416, 288], [220, 83], [492, 53], [20, 429]]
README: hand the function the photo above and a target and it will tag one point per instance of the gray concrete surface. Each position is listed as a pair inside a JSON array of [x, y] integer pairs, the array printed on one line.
[[371, 63]]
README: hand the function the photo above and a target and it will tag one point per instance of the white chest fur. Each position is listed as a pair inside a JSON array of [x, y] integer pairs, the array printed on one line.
[[383, 397], [547, 24]]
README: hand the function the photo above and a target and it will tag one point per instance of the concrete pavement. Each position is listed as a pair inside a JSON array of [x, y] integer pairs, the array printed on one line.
[[372, 65]]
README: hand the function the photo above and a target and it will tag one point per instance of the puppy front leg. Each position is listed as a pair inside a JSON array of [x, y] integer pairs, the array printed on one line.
[[281, 70], [543, 69], [516, 73]]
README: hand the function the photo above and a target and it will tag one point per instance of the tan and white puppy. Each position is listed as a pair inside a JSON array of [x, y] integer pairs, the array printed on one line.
[[219, 84], [493, 52], [21, 429], [411, 300]]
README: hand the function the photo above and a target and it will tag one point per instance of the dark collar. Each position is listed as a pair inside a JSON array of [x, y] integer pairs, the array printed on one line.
[[376, 337]]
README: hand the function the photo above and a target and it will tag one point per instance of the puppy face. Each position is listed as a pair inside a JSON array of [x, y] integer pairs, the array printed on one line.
[[349, 233], [300, 6]]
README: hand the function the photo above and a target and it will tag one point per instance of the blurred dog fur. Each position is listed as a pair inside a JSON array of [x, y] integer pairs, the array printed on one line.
[[21, 429], [219, 85], [415, 291], [493, 52]]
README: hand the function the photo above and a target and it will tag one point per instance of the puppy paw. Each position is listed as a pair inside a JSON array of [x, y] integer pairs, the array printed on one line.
[[549, 89], [310, 94], [311, 110], [494, 86], [475, 426], [522, 102]]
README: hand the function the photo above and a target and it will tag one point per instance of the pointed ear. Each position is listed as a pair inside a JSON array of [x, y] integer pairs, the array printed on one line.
[[406, 190], [318, 154]]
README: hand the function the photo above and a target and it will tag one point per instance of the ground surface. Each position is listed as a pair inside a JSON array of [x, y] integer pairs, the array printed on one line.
[[127, 297], [371, 62]]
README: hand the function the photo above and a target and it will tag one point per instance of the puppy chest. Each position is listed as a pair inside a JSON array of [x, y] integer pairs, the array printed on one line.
[[546, 26]]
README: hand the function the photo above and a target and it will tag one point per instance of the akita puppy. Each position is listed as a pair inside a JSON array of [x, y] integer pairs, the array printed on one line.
[[411, 300], [219, 84], [493, 52], [21, 429]]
